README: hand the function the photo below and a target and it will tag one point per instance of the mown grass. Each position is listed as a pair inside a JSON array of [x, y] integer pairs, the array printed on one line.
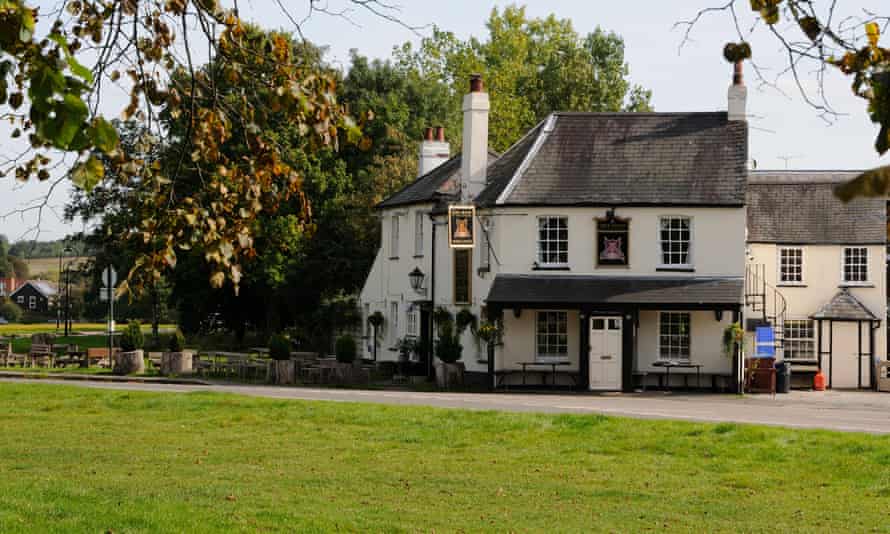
[[78, 460], [50, 328]]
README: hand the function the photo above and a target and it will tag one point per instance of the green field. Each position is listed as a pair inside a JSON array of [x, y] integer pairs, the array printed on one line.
[[48, 268], [80, 460], [50, 328]]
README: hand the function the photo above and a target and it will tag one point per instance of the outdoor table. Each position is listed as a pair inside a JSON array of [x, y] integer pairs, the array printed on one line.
[[553, 366], [685, 365]]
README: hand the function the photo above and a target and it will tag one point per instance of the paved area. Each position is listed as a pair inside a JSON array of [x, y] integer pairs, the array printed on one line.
[[852, 411]]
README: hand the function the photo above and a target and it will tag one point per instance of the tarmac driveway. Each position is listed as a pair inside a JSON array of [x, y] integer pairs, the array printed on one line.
[[852, 411]]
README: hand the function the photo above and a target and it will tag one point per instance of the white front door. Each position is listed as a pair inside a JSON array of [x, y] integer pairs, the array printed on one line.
[[605, 353]]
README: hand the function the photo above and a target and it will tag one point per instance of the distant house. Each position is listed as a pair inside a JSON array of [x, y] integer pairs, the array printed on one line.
[[35, 295]]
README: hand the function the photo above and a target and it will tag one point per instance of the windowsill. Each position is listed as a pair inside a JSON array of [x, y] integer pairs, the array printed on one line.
[[675, 268], [416, 256], [551, 268], [551, 361], [393, 257], [791, 284], [856, 284], [482, 270], [626, 266]]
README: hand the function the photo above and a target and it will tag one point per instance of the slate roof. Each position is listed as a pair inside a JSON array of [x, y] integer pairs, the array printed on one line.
[[559, 290], [624, 159], [799, 207], [441, 181], [44, 287], [844, 307]]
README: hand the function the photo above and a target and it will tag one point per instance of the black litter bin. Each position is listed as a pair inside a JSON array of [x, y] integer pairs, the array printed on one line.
[[783, 377]]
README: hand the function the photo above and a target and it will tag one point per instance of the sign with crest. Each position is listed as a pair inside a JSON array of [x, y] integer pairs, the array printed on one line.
[[612, 241], [461, 231]]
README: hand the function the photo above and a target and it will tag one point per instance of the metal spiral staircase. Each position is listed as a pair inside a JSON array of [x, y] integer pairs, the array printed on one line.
[[767, 302]]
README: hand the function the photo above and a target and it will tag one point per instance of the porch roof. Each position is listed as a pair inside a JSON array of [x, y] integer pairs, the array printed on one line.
[[844, 307], [579, 291]]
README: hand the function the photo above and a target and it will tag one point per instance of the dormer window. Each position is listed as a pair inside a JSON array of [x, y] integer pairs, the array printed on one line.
[[553, 241], [675, 242]]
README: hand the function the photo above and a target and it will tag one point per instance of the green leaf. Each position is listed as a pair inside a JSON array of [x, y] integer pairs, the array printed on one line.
[[45, 82], [78, 69], [104, 135], [72, 112], [87, 174]]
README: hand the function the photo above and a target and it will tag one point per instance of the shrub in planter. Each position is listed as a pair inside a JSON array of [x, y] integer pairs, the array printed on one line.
[[283, 369], [132, 338], [346, 349], [177, 341], [176, 361], [448, 348], [131, 358]]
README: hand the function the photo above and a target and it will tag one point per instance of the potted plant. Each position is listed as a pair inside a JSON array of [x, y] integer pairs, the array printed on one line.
[[376, 321], [732, 335], [345, 349], [449, 368], [490, 332], [131, 359], [282, 370], [176, 361]]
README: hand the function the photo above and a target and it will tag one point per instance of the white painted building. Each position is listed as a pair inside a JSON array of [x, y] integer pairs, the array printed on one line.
[[824, 266], [607, 244]]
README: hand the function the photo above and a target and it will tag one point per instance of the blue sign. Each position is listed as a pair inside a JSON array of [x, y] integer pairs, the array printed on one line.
[[764, 342]]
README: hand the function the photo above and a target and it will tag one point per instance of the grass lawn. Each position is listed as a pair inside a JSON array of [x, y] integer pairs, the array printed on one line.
[[96, 461], [50, 328]]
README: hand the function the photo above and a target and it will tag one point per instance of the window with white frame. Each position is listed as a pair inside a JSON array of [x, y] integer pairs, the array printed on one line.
[[799, 340], [411, 323], [551, 336], [393, 321], [673, 336], [855, 268], [32, 303], [21, 299], [553, 241], [791, 265], [394, 237], [418, 234], [675, 240]]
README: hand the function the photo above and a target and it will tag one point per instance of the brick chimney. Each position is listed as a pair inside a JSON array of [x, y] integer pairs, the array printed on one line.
[[434, 150], [737, 95], [474, 159]]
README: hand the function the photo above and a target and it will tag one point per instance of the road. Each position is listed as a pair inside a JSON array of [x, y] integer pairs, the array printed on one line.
[[850, 411]]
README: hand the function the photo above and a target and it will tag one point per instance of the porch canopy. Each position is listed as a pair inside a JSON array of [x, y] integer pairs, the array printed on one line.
[[846, 308], [518, 291]]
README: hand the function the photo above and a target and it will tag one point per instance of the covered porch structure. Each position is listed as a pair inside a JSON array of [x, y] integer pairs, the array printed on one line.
[[845, 322], [613, 333]]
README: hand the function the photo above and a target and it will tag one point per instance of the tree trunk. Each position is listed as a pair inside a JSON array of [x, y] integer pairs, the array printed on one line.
[[155, 319], [176, 363], [129, 363]]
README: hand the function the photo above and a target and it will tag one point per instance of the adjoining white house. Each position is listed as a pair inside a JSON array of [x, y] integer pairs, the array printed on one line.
[[609, 244], [822, 265]]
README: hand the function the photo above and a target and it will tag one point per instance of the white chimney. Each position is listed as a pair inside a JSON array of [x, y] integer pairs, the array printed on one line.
[[434, 150], [474, 158], [737, 95]]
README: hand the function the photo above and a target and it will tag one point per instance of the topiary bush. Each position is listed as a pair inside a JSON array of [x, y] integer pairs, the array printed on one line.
[[177, 341], [279, 347], [132, 338], [345, 349], [448, 347]]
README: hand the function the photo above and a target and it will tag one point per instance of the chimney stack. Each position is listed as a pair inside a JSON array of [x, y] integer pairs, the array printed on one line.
[[434, 150], [737, 95], [474, 159]]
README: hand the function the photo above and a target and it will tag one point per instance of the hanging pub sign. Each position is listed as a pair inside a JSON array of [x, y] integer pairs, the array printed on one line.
[[461, 232], [612, 241]]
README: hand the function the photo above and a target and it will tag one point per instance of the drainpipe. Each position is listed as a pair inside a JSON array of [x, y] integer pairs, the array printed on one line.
[[429, 357]]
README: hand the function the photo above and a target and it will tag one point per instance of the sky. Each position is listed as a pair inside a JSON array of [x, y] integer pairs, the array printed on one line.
[[785, 131]]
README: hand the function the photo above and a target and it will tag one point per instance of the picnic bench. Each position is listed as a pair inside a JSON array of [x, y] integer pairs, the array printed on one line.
[[5, 353], [41, 355], [667, 365], [99, 356], [524, 371]]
